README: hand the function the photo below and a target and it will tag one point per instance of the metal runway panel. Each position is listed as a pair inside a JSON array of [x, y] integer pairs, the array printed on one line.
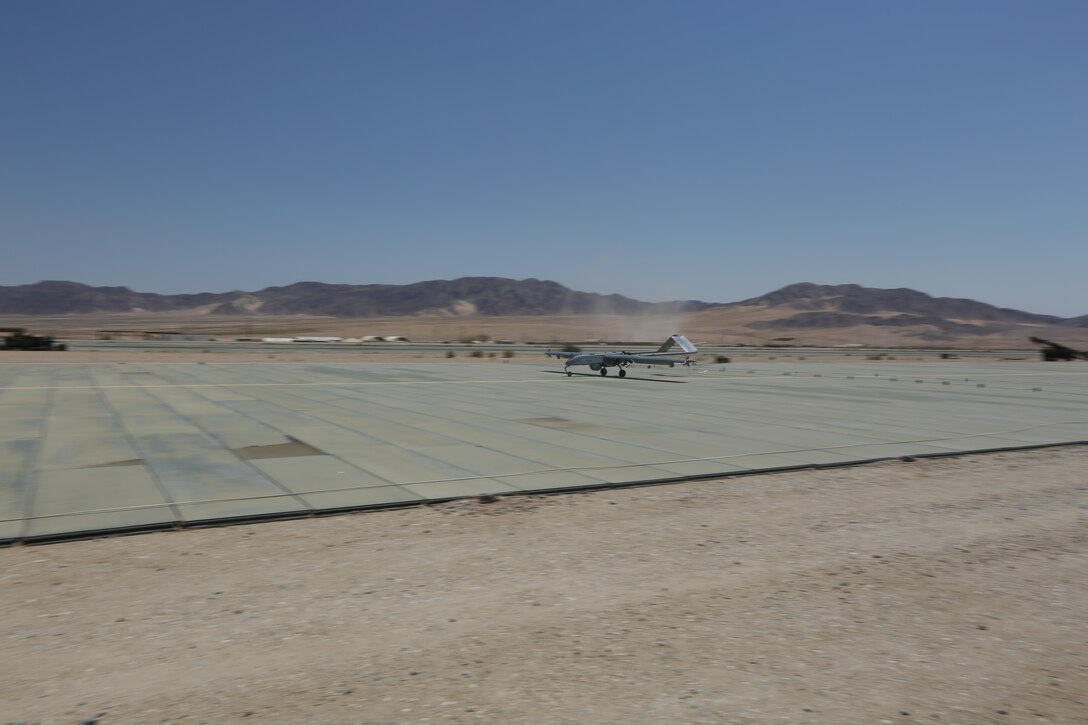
[[87, 448]]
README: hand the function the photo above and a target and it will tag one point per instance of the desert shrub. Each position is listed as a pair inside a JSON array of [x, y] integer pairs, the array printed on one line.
[[450, 353], [476, 353], [570, 347], [508, 353]]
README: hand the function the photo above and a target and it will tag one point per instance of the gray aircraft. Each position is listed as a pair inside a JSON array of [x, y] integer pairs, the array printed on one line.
[[601, 361]]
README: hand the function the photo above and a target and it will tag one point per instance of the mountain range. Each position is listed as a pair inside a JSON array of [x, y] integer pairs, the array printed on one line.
[[845, 305], [795, 308], [464, 296]]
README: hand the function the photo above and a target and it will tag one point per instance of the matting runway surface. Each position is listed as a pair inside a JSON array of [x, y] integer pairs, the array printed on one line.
[[113, 446]]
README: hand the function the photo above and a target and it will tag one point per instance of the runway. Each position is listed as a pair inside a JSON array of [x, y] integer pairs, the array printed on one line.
[[87, 448]]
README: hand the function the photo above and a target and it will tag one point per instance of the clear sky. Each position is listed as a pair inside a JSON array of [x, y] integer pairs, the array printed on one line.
[[696, 150]]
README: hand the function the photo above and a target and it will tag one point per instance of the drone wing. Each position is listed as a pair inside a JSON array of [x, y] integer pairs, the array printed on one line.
[[647, 359]]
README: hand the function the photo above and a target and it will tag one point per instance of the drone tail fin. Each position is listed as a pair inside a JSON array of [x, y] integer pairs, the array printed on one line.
[[678, 341]]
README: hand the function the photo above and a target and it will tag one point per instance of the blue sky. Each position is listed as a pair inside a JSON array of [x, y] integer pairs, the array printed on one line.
[[695, 150]]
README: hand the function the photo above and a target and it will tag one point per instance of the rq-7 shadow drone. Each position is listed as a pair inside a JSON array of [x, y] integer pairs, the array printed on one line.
[[603, 360]]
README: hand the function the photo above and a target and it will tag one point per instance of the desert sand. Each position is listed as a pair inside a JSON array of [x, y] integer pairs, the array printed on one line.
[[713, 326], [934, 591]]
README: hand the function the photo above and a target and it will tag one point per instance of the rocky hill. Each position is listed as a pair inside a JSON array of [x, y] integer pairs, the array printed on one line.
[[852, 299], [802, 313], [807, 306], [72, 298], [464, 296]]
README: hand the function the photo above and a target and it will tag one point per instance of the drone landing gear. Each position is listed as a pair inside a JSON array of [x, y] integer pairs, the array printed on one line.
[[569, 373], [623, 373], [604, 371]]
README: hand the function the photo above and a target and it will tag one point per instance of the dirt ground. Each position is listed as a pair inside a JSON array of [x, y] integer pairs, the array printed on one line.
[[720, 325], [935, 591], [79, 357], [536, 357]]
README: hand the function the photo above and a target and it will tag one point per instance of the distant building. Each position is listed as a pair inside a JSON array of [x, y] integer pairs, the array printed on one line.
[[385, 338]]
